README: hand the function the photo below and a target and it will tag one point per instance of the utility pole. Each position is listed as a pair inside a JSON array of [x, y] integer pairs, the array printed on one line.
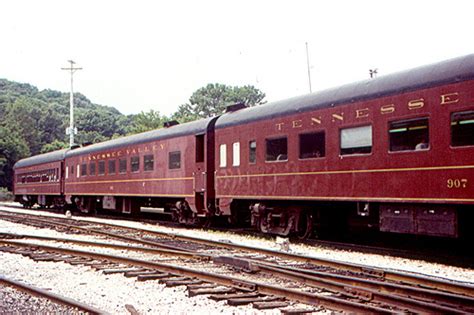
[[309, 71], [71, 131], [373, 73]]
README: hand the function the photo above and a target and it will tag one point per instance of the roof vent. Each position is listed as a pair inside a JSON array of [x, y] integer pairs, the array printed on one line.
[[75, 146], [85, 144], [170, 123], [235, 107]]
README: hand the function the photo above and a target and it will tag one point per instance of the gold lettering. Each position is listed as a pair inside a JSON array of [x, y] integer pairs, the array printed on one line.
[[297, 124], [416, 104], [339, 117], [162, 146], [362, 113], [449, 98], [387, 109], [315, 120], [279, 125]]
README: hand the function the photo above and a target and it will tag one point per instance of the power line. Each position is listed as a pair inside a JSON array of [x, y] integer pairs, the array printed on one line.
[[309, 71], [71, 131]]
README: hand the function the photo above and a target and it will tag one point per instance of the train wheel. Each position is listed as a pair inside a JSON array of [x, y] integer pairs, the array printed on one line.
[[305, 225]]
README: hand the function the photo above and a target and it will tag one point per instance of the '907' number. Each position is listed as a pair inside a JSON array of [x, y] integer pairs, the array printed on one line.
[[457, 183]]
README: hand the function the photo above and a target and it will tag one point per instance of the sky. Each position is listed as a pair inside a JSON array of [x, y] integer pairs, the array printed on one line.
[[141, 55]]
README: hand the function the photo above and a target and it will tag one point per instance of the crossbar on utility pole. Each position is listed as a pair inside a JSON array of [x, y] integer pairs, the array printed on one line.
[[71, 130]]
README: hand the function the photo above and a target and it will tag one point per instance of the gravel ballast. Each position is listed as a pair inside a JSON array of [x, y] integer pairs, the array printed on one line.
[[112, 292]]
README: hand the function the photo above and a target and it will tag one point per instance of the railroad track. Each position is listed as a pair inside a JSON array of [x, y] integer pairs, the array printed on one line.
[[391, 290], [76, 306], [449, 253]]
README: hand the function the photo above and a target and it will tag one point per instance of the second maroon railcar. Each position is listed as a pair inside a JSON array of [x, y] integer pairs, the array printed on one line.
[[167, 169]]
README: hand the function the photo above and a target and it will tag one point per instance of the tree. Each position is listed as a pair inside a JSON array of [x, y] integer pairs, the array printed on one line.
[[12, 148], [53, 146], [213, 99], [145, 121]]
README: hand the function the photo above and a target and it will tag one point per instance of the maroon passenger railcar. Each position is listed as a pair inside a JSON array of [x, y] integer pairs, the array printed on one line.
[[167, 169], [393, 153], [38, 180]]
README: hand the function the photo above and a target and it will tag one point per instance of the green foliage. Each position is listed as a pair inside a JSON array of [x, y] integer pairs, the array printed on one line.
[[12, 148], [34, 122], [54, 146], [5, 195], [145, 121], [213, 99]]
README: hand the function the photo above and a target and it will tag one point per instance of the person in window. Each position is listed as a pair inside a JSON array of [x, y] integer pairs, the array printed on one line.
[[423, 145]]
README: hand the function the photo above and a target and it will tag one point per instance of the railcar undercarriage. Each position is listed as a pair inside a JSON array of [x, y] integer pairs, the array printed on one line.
[[283, 221]]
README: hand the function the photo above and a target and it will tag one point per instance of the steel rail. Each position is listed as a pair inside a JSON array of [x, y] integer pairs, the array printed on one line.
[[99, 232], [330, 302], [392, 275], [416, 299], [381, 292], [160, 251], [51, 296], [396, 276]]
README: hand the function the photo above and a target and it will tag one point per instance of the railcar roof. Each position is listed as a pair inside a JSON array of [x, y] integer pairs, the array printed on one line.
[[49, 157], [449, 71], [195, 127]]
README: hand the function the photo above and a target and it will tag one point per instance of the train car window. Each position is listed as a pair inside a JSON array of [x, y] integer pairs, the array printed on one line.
[[148, 162], [236, 154], [101, 168], [312, 145], [135, 163], [92, 168], [277, 149], [223, 155], [122, 166], [112, 164], [174, 160], [83, 169], [72, 169], [409, 135], [462, 129], [356, 140], [252, 152], [199, 148]]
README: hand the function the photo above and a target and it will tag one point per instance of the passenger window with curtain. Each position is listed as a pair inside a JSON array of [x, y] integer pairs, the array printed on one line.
[[92, 168], [112, 167], [409, 135], [462, 129], [223, 155], [174, 160], [252, 152], [83, 169], [135, 163], [312, 145], [101, 167], [122, 166], [236, 154], [148, 162], [277, 149], [356, 140]]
